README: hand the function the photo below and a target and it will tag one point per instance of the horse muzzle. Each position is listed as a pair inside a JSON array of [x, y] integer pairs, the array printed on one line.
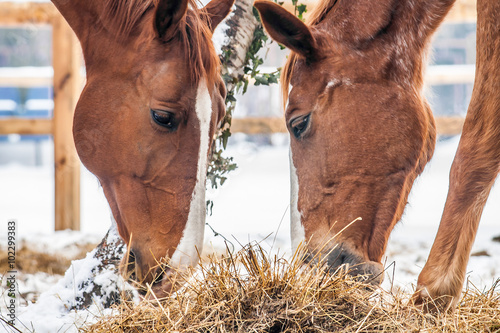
[[342, 256]]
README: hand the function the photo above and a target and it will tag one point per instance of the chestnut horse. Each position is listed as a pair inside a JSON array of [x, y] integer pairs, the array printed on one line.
[[146, 118], [361, 131]]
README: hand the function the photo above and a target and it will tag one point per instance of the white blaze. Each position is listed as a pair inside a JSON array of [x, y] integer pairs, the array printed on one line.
[[296, 229], [192, 239]]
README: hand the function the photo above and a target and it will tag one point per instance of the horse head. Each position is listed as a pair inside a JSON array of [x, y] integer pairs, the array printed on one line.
[[146, 119], [360, 128]]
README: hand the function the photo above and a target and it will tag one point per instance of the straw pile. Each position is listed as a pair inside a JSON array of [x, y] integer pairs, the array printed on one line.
[[250, 292], [30, 260]]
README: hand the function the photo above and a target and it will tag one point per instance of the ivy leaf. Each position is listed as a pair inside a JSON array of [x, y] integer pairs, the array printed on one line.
[[227, 78], [230, 98], [245, 86], [256, 14], [225, 136], [261, 80], [301, 9]]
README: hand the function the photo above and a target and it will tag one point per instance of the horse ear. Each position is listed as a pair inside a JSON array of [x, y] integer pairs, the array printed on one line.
[[169, 14], [217, 10], [286, 29]]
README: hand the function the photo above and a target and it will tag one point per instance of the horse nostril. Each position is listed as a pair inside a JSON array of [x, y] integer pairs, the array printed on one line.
[[368, 271], [160, 273], [131, 265]]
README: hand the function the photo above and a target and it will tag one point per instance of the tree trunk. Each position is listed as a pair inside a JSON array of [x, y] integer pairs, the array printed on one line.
[[239, 33]]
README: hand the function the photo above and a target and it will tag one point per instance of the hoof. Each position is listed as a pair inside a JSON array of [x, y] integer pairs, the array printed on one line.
[[433, 303]]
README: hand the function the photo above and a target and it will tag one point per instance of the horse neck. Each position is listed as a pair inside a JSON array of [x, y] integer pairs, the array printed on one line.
[[416, 22], [79, 13], [488, 39], [395, 40], [117, 17]]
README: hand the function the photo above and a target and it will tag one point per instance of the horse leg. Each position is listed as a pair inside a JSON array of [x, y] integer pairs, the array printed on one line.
[[473, 173], [471, 179]]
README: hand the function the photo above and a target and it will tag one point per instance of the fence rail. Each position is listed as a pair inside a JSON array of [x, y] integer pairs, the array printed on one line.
[[25, 13], [268, 125], [26, 126], [67, 84]]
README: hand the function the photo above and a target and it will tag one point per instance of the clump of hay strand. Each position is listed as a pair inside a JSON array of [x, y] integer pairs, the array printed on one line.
[[252, 292]]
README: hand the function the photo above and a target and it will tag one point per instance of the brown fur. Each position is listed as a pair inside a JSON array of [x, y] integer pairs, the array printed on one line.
[[370, 132], [143, 56], [473, 172]]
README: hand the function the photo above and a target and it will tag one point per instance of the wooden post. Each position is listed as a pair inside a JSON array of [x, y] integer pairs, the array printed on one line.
[[66, 63]]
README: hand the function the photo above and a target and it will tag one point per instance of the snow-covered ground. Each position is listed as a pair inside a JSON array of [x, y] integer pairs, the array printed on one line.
[[251, 206]]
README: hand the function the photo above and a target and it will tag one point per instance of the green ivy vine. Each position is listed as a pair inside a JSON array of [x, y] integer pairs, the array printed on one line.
[[219, 165]]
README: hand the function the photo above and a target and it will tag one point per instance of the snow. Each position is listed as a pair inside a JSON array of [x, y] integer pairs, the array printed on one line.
[[41, 72], [67, 242], [39, 104], [53, 303], [58, 309], [450, 74], [7, 105]]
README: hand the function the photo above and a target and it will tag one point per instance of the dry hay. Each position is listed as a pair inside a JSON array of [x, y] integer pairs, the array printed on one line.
[[250, 292], [30, 260]]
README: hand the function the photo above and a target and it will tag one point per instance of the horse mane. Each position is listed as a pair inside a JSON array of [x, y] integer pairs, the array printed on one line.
[[319, 11], [195, 34]]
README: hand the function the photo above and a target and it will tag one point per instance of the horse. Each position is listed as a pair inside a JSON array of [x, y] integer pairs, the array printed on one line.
[[361, 132], [145, 121]]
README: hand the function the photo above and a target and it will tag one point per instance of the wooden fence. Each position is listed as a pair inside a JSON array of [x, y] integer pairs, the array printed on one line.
[[67, 83]]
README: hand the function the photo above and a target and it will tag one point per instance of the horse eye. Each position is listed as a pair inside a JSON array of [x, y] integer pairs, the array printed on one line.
[[165, 119], [299, 125]]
